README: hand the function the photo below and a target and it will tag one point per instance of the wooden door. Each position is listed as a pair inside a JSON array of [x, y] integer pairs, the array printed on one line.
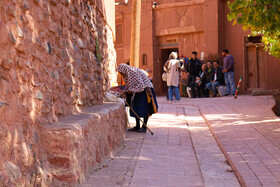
[[255, 68]]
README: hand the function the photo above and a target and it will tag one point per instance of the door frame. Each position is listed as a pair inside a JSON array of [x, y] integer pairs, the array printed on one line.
[[163, 86], [246, 66]]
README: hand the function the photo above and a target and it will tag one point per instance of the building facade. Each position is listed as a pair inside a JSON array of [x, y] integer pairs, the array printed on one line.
[[194, 25]]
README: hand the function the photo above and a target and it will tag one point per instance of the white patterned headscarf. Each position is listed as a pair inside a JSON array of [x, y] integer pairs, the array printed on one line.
[[135, 79]]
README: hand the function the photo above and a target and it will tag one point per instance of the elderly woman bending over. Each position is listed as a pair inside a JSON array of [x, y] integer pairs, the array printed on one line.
[[140, 94]]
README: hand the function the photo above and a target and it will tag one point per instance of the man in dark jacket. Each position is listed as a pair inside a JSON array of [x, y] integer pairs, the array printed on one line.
[[200, 83], [193, 68], [217, 78]]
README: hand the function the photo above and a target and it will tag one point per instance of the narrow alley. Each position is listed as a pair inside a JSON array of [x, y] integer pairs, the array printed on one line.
[[184, 151]]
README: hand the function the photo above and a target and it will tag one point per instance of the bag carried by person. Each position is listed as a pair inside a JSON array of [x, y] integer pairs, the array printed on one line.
[[165, 71], [164, 76]]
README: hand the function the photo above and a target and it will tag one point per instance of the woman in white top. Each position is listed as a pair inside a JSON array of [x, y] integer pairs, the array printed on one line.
[[173, 74]]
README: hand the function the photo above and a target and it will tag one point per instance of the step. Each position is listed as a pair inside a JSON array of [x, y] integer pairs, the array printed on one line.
[[80, 143]]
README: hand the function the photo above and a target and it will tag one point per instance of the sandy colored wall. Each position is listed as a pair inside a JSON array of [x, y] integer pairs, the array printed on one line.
[[50, 67]]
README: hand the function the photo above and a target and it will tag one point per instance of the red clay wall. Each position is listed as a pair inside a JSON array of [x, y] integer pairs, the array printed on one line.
[[234, 41], [199, 25], [272, 72], [49, 67], [186, 25]]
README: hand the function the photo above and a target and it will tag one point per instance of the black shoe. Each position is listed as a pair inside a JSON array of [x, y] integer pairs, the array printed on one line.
[[135, 129], [142, 130], [227, 95]]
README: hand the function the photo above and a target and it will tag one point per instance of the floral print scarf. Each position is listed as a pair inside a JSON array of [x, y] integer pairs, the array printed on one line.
[[136, 80]]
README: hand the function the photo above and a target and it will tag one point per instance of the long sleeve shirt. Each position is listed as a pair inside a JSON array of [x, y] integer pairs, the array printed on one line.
[[229, 63]]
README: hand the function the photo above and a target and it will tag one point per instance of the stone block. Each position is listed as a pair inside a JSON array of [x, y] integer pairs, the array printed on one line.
[[70, 145], [3, 105], [47, 105], [39, 95], [19, 32], [26, 155], [80, 43], [4, 34], [7, 64], [20, 47], [12, 171], [12, 38], [5, 87]]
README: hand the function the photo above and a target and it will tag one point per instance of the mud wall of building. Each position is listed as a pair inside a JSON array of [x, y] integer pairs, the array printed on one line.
[[272, 72], [57, 57], [234, 41]]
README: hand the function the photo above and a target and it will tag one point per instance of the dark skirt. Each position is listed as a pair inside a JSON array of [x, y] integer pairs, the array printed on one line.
[[140, 104]]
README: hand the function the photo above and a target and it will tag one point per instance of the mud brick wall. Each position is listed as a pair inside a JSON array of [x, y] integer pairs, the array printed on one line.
[[56, 58]]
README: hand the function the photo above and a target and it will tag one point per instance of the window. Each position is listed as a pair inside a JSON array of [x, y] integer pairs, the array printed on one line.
[[144, 60]]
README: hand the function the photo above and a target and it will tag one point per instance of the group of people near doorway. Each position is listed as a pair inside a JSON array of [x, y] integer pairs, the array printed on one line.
[[139, 90], [201, 77]]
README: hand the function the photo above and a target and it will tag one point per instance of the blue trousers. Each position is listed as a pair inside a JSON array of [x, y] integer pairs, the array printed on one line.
[[213, 87], [170, 93], [229, 79]]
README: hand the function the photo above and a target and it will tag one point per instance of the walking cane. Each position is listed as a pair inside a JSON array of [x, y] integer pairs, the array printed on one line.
[[139, 118], [235, 96]]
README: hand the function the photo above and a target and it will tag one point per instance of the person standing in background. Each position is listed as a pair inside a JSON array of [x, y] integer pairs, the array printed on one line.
[[228, 71], [193, 68], [173, 76]]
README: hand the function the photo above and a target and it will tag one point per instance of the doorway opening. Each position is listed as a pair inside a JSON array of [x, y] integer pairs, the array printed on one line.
[[164, 57]]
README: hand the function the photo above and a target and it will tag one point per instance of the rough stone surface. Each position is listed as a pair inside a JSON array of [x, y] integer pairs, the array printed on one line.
[[42, 78], [118, 170], [74, 145]]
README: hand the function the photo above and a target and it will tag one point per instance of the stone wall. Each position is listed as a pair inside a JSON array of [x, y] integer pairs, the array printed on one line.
[[57, 58], [78, 144]]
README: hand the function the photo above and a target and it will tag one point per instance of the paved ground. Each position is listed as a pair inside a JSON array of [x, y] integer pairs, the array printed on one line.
[[194, 142]]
